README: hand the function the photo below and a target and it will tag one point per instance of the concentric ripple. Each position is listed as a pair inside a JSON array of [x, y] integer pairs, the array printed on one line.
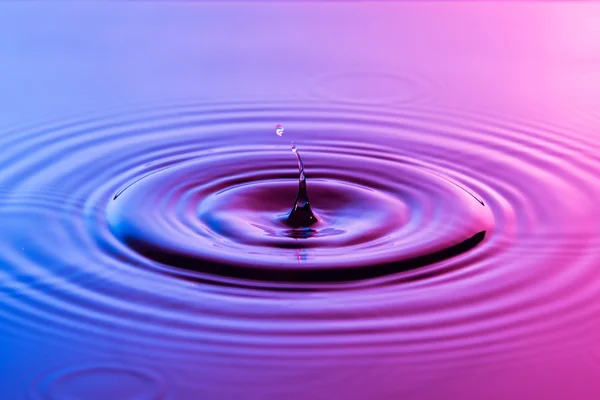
[[101, 381], [118, 232], [224, 212], [371, 87]]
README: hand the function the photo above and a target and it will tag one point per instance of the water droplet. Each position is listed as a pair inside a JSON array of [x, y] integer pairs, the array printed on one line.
[[279, 129], [301, 214]]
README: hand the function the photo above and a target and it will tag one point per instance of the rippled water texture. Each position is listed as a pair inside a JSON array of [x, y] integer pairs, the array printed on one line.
[[451, 160]]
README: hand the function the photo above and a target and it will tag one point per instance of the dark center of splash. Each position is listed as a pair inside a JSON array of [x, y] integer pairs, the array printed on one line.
[[223, 215], [301, 214]]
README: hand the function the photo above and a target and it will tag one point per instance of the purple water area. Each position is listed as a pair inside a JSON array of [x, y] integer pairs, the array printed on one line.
[[221, 205], [451, 159]]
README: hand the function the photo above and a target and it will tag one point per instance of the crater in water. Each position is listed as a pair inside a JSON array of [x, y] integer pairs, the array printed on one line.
[[226, 213]]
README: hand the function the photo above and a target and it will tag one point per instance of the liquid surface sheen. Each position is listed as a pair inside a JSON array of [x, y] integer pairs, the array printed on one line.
[[450, 151]]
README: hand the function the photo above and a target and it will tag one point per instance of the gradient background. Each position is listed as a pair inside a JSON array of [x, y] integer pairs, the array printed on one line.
[[541, 61]]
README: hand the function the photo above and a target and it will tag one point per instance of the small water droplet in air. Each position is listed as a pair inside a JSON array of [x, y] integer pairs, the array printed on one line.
[[279, 129]]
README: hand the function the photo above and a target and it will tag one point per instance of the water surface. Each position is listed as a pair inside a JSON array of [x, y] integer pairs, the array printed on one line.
[[451, 158]]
